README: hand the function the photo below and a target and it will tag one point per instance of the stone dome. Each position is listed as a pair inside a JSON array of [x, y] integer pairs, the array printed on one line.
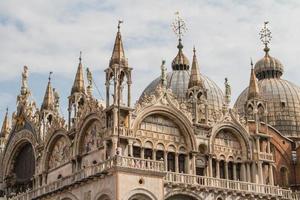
[[178, 80], [282, 97], [268, 67]]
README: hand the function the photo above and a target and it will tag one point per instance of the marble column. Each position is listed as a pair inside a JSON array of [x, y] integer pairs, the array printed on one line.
[[114, 146], [153, 154], [130, 148], [226, 170], [269, 146], [142, 153], [234, 171], [248, 168], [166, 160], [217, 169], [210, 167], [176, 163], [193, 170], [243, 172], [254, 173], [271, 178], [257, 145], [260, 173]]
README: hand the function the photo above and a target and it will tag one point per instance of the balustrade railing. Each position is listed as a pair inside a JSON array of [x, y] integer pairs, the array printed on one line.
[[237, 186], [170, 177], [265, 156], [123, 132], [117, 161]]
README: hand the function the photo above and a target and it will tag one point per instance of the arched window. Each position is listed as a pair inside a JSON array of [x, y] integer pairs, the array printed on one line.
[[284, 177], [181, 159], [140, 197], [23, 169], [171, 161]]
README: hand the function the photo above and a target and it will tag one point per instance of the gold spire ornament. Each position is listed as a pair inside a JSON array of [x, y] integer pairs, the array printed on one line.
[[179, 26], [48, 103], [180, 62], [78, 85], [265, 36]]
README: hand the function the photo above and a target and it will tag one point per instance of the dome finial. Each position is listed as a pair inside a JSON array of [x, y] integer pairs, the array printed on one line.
[[179, 28], [265, 36], [119, 24]]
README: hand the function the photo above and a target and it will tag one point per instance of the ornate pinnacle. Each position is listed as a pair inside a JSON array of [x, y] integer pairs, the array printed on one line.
[[265, 36], [80, 54], [49, 78], [119, 24]]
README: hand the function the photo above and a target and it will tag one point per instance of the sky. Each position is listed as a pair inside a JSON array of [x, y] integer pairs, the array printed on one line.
[[48, 36]]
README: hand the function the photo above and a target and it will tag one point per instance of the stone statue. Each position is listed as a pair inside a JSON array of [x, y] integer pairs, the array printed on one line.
[[24, 88], [163, 74], [227, 91]]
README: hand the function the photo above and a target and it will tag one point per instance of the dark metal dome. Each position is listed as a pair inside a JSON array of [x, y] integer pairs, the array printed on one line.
[[283, 104], [178, 80]]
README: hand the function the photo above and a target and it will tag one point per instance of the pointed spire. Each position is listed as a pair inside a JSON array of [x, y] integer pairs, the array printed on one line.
[[78, 85], [48, 102], [118, 55], [195, 79], [253, 90], [5, 126]]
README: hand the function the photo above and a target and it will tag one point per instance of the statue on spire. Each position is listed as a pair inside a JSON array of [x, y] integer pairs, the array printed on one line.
[[24, 88], [90, 81], [265, 36], [163, 74], [227, 91]]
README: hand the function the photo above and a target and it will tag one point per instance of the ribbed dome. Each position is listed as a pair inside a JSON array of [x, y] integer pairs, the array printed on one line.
[[178, 81], [268, 67], [283, 104]]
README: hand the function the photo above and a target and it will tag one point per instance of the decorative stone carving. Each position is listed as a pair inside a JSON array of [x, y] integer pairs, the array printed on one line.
[[60, 153], [92, 138], [165, 97]]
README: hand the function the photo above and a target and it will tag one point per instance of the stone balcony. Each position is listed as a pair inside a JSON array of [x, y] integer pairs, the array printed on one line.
[[120, 162], [236, 187], [137, 165]]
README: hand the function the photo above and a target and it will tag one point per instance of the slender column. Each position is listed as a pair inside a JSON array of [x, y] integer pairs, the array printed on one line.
[[193, 163], [248, 172], [142, 153], [176, 163], [271, 178], [129, 94], [243, 172], [254, 173], [257, 145], [104, 149], [153, 154], [217, 169], [260, 173], [114, 146], [226, 170], [269, 146], [234, 171], [187, 164], [166, 160], [107, 94], [130, 148], [210, 166]]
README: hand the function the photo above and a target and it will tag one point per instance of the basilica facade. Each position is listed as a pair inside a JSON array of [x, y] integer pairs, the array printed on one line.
[[180, 141]]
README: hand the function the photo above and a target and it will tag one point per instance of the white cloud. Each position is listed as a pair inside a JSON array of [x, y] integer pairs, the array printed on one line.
[[48, 35]]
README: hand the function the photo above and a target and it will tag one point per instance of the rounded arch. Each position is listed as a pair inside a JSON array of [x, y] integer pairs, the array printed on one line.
[[140, 192], [56, 136], [68, 196], [238, 132], [17, 140], [182, 195], [178, 118], [87, 123]]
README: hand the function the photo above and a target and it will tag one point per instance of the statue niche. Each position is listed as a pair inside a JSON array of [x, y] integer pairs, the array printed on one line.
[[60, 153]]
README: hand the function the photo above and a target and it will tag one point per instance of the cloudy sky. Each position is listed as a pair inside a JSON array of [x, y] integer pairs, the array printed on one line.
[[48, 35]]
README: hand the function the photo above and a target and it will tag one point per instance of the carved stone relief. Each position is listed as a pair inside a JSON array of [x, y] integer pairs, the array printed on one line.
[[60, 153]]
